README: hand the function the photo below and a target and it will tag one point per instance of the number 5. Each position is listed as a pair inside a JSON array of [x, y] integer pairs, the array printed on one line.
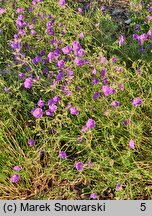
[[143, 207]]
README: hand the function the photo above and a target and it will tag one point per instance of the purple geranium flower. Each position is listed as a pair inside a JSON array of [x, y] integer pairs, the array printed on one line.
[[103, 72], [74, 111], [62, 154], [80, 10], [37, 112], [95, 80], [31, 142], [2, 10], [117, 188], [105, 81], [131, 144], [126, 122], [21, 75], [60, 76], [135, 36], [76, 46], [60, 63], [107, 90], [17, 168], [62, 2], [114, 59], [79, 166], [103, 60], [48, 113], [84, 129], [40, 103], [137, 101], [115, 103], [121, 40], [81, 35], [80, 53], [121, 87], [28, 83], [15, 178], [53, 108], [66, 50], [96, 95], [90, 124], [142, 38], [78, 61], [93, 196]]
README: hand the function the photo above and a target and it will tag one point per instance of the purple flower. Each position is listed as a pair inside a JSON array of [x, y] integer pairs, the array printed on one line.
[[103, 72], [74, 111], [117, 188], [107, 90], [135, 36], [61, 2], [28, 83], [66, 50], [60, 76], [96, 95], [131, 144], [62, 154], [40, 103], [149, 18], [103, 60], [79, 166], [149, 33], [105, 81], [94, 71], [21, 75], [53, 108], [42, 52], [37, 112], [137, 101], [17, 168], [142, 38], [45, 70], [95, 80], [19, 10], [115, 103], [54, 100], [38, 59], [80, 10], [81, 35], [137, 27], [60, 63], [56, 53], [114, 59], [76, 46], [80, 53], [90, 124], [121, 87], [126, 122], [93, 196], [121, 40], [31, 142], [15, 178], [78, 61], [33, 32], [2, 10], [84, 129], [103, 8], [6, 89], [51, 56], [48, 113]]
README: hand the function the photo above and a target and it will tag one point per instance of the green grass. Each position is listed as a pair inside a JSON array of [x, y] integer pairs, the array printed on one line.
[[106, 145]]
